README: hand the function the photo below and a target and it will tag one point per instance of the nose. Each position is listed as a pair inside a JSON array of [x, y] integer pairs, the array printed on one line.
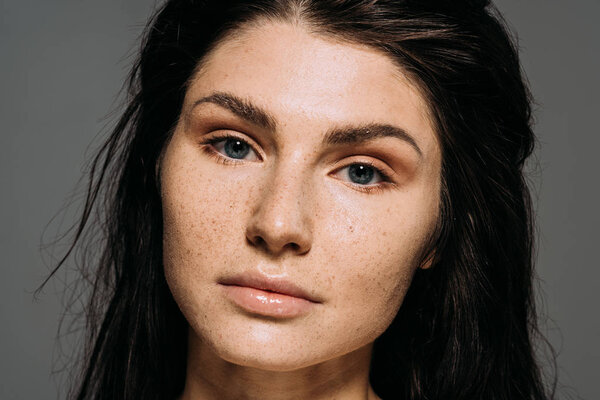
[[281, 219]]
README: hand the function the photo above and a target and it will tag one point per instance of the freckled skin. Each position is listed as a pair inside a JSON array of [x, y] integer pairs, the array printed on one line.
[[293, 213]]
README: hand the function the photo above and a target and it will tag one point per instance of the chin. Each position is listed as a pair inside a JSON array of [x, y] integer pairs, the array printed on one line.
[[267, 363], [268, 358], [265, 346]]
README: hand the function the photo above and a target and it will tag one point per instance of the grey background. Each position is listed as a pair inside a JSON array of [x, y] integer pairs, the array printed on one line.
[[63, 63]]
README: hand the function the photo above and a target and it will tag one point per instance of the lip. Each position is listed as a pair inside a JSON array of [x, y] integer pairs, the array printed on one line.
[[259, 294]]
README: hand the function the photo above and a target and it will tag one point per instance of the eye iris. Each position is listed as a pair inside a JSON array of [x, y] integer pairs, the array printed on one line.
[[236, 148], [361, 174]]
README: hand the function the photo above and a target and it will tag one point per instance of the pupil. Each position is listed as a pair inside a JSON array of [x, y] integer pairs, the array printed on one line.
[[236, 148], [361, 174]]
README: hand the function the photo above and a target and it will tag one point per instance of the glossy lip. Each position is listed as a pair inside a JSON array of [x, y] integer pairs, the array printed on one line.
[[261, 295], [268, 284]]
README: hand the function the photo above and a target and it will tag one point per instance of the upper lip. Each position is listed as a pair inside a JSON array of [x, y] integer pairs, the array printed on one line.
[[262, 282]]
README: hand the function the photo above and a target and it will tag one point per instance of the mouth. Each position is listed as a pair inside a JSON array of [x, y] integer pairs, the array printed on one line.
[[260, 295]]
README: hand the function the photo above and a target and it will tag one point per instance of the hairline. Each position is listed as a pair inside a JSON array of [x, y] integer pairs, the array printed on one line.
[[234, 32]]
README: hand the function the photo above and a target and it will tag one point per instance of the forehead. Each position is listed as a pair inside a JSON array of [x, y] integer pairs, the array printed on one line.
[[296, 75]]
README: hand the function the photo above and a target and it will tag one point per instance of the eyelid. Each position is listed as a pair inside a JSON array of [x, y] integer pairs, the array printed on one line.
[[216, 138], [386, 177]]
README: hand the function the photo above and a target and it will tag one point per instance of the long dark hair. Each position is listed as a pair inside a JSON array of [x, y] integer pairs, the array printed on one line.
[[467, 325]]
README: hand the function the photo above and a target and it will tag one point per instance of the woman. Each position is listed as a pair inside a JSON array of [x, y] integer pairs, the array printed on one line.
[[315, 200]]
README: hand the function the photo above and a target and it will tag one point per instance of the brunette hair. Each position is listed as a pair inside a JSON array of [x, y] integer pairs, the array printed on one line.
[[467, 325]]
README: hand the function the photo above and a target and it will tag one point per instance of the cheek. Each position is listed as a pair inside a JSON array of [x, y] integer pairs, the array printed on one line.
[[202, 229], [201, 209], [378, 251]]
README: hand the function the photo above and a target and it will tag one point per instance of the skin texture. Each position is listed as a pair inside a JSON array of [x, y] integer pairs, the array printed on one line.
[[290, 209]]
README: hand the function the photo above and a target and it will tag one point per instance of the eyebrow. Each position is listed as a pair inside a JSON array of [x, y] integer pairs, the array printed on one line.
[[365, 133], [346, 135], [242, 108]]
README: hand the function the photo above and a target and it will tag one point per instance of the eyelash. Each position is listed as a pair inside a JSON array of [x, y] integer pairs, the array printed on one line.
[[374, 188], [220, 158], [212, 152]]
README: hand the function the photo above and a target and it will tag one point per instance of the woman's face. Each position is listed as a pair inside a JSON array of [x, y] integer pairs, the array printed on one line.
[[299, 189]]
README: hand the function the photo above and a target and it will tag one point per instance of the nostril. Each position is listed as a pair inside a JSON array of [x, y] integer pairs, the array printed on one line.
[[274, 235], [256, 241]]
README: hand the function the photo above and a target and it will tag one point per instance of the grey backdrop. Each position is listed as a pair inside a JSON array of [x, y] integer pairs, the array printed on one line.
[[62, 65]]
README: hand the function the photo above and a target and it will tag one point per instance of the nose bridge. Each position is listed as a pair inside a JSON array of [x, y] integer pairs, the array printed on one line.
[[281, 218]]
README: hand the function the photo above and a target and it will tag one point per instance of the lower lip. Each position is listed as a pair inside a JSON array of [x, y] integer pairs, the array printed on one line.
[[266, 303]]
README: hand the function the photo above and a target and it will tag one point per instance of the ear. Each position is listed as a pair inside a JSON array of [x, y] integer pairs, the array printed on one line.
[[427, 264], [429, 260]]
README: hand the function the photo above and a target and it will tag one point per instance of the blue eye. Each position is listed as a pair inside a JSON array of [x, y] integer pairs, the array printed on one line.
[[233, 148], [363, 174]]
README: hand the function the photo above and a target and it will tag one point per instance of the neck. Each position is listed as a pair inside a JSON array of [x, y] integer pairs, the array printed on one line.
[[210, 377]]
